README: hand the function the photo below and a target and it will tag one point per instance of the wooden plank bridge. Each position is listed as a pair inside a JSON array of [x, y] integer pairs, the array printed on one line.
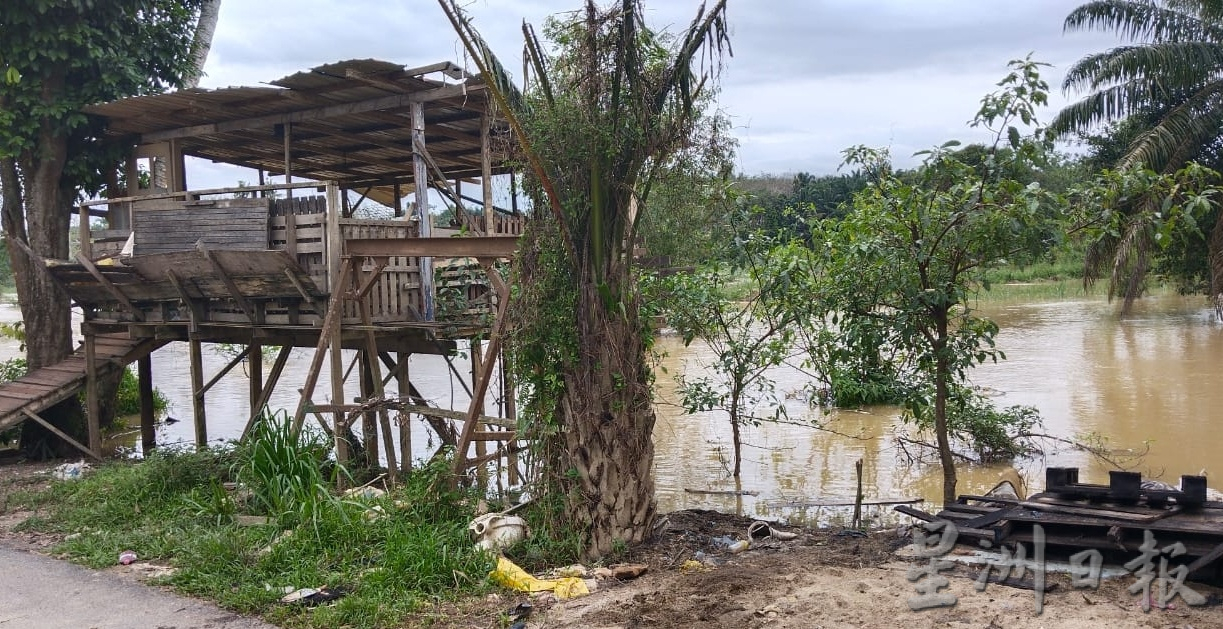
[[24, 398]]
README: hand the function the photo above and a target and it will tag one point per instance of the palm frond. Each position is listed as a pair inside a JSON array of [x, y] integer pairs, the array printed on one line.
[[1144, 20], [1180, 134], [1168, 67], [509, 99]]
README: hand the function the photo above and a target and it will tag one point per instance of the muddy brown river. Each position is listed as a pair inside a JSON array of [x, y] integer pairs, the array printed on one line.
[[1148, 383]]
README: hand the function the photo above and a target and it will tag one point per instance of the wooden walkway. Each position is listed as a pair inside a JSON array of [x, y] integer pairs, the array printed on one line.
[[43, 388]]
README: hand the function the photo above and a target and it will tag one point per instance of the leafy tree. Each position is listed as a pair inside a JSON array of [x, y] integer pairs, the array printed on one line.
[[72, 53], [747, 336], [1163, 90], [900, 271], [606, 116]]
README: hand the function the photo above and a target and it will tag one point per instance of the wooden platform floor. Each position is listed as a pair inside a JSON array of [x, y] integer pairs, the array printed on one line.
[[43, 388]]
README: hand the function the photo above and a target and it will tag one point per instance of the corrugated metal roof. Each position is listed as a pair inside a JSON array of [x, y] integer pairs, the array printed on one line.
[[350, 121]]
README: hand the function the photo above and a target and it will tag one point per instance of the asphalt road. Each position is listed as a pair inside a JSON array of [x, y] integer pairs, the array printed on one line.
[[37, 592]]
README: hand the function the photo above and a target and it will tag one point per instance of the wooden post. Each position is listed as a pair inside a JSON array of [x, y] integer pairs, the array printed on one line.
[[398, 200], [340, 425], [197, 393], [486, 170], [420, 176], [148, 430], [254, 364], [511, 413], [288, 133], [93, 405], [405, 423], [476, 369], [334, 240], [86, 238], [369, 419]]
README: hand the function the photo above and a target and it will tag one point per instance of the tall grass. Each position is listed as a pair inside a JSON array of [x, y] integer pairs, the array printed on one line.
[[393, 556], [284, 472]]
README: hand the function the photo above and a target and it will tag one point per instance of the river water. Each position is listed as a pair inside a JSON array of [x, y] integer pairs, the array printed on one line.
[[1148, 383]]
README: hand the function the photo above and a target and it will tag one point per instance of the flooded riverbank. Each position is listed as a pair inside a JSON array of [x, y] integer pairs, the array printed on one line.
[[1145, 382]]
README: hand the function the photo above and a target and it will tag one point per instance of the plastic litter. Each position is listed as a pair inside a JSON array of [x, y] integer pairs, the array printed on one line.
[[70, 471], [312, 596], [509, 575], [127, 557]]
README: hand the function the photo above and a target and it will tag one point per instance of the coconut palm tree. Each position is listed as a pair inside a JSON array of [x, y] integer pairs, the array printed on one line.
[[1169, 78]]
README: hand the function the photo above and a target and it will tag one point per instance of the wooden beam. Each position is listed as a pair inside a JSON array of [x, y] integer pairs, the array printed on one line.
[[301, 288], [110, 287], [273, 378], [318, 113], [368, 284], [485, 247], [441, 179], [320, 352], [62, 435], [481, 387], [230, 285], [225, 370]]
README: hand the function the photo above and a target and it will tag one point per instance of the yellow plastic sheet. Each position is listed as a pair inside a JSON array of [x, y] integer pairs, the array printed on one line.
[[511, 576]]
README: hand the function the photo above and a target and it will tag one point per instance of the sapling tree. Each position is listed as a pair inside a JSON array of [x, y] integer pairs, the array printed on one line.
[[900, 271], [747, 335]]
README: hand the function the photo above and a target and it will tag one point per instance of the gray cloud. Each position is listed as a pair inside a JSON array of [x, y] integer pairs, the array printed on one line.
[[808, 77]]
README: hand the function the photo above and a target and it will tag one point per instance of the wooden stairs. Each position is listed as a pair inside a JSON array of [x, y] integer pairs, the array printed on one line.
[[43, 388]]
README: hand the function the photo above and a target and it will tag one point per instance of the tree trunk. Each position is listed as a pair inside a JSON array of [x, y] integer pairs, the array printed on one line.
[[201, 43], [44, 306], [734, 430], [1215, 256], [942, 374], [609, 422]]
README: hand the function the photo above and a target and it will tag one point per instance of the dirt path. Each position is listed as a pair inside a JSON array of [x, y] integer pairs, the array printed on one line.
[[790, 589]]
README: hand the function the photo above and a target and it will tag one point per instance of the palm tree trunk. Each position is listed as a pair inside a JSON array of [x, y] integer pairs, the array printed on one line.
[[609, 421]]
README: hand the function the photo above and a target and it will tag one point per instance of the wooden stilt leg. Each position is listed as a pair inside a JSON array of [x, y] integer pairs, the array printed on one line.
[[197, 394], [481, 446], [93, 407], [405, 423], [254, 365], [148, 429], [340, 426]]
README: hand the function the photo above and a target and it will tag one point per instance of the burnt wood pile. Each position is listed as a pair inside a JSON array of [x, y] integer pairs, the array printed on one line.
[[1111, 518]]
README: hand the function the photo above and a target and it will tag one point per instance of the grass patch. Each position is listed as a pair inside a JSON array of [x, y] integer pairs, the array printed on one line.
[[411, 551]]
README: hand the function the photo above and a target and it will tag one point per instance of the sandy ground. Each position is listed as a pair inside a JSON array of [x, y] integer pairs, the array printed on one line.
[[822, 579]]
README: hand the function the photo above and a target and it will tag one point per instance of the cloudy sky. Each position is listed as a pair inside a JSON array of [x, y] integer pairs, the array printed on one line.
[[808, 77]]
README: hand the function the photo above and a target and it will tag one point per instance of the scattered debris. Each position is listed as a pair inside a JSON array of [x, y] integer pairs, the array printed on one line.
[[628, 571], [509, 575], [251, 520], [127, 557], [70, 471], [763, 530], [312, 596], [494, 531]]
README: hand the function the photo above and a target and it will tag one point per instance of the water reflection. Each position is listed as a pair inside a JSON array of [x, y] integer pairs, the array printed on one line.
[[1143, 382]]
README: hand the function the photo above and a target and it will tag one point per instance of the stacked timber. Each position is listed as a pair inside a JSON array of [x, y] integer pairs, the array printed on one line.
[[1112, 519]]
